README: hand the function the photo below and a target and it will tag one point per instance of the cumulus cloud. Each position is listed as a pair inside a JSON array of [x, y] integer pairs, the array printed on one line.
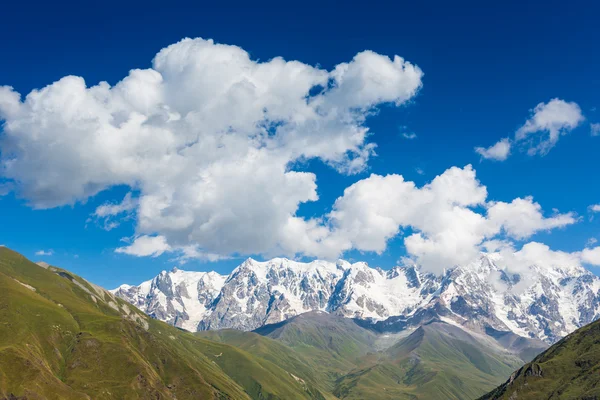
[[208, 137], [591, 256], [594, 208], [534, 256], [540, 133], [499, 151], [595, 129], [450, 217], [522, 218], [44, 252], [145, 245], [547, 123], [154, 246]]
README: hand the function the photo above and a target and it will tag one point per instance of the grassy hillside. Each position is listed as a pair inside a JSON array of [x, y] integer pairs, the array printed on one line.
[[262, 347], [436, 361], [334, 344], [64, 338], [319, 347], [570, 369]]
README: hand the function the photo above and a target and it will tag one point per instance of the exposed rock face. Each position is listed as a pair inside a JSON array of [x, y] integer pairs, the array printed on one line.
[[544, 304]]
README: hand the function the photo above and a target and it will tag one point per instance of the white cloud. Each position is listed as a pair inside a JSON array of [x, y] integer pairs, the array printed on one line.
[[541, 131], [592, 241], [108, 211], [446, 216], [547, 123], [144, 246], [499, 151], [208, 137], [595, 129], [594, 208], [112, 209], [540, 255], [406, 134], [44, 252], [534, 255], [521, 218], [591, 256]]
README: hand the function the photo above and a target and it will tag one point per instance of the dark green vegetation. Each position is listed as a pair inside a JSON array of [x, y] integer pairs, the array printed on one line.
[[570, 369], [63, 338]]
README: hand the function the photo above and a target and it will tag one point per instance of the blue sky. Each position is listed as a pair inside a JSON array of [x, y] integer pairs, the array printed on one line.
[[485, 66]]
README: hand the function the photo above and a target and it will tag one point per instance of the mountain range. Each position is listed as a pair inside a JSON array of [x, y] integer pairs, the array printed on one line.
[[62, 337], [540, 303]]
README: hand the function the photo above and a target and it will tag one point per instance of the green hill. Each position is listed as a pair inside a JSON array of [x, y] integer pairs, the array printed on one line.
[[319, 347], [334, 344], [570, 369], [302, 366], [437, 360], [64, 338]]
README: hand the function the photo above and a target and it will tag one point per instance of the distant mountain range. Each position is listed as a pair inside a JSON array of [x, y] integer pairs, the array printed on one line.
[[544, 304]]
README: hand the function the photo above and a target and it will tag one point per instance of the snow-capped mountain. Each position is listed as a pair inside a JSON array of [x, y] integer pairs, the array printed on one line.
[[545, 303], [180, 298]]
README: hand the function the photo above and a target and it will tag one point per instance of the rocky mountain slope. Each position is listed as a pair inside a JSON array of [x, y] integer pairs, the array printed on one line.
[[541, 303], [570, 369]]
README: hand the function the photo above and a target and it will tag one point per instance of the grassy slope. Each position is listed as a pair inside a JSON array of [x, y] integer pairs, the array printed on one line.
[[570, 369], [273, 351], [316, 347], [66, 340], [435, 361], [336, 355], [319, 348], [333, 344]]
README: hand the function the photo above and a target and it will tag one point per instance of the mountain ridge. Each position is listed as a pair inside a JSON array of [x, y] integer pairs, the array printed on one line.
[[63, 338], [567, 370], [546, 304]]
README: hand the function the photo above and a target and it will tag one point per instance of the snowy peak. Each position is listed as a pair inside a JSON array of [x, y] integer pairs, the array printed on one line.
[[178, 297], [537, 302]]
